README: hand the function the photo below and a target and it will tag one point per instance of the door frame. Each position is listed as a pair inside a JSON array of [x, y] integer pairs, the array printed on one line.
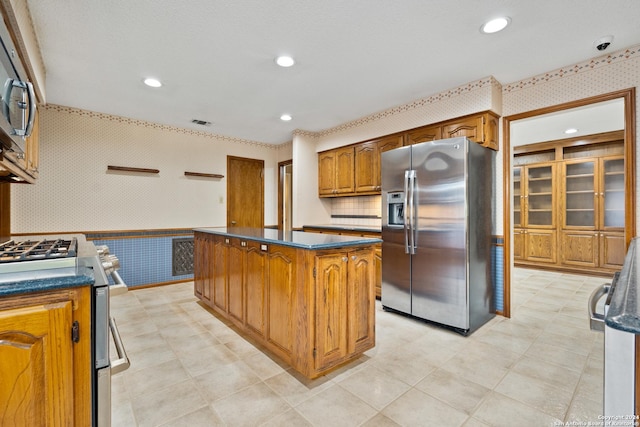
[[280, 193], [629, 96]]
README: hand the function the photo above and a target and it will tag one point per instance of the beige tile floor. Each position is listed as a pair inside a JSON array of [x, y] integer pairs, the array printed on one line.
[[542, 367]]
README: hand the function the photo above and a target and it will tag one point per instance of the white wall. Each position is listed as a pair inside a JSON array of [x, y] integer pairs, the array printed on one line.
[[75, 191]]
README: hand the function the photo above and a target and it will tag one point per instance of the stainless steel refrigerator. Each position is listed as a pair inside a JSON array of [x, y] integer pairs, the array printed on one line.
[[437, 200]]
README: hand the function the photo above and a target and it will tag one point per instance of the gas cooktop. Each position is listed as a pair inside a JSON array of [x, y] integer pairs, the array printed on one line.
[[33, 250], [37, 257]]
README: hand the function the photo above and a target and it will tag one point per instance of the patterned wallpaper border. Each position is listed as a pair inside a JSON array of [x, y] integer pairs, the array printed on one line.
[[448, 94], [602, 61], [151, 125]]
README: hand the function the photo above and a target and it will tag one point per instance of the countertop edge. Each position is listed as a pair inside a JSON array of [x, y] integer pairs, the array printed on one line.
[[346, 241], [623, 312], [45, 284]]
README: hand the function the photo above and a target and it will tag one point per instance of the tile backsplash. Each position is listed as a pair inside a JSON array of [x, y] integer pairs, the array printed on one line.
[[360, 210]]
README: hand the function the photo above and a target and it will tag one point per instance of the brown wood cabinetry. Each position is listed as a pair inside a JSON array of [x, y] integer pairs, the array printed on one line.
[[336, 172], [345, 308], [358, 171], [534, 213], [482, 128], [368, 163], [22, 167], [593, 207], [377, 256], [569, 205], [46, 378], [313, 318]]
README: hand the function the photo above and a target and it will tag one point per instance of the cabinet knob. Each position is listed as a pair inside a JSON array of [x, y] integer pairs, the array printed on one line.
[[345, 259], [353, 257], [243, 244]]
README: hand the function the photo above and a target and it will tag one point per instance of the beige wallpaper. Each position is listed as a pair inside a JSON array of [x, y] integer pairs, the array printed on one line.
[[607, 73], [75, 191]]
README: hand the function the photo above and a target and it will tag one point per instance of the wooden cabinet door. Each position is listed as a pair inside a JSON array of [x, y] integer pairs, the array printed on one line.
[[361, 301], [540, 245], [36, 365], [579, 208], [367, 173], [345, 167], [470, 127], [518, 244], [256, 287], [384, 144], [204, 286], [491, 126], [235, 280], [220, 275], [281, 267], [611, 196], [612, 250], [424, 134], [331, 309], [579, 248], [327, 172], [539, 205], [198, 264], [518, 197]]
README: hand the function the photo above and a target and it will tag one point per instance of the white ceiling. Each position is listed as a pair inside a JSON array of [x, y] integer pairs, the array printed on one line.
[[354, 58]]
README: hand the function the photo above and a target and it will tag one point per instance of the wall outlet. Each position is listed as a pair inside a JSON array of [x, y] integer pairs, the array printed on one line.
[[221, 199]]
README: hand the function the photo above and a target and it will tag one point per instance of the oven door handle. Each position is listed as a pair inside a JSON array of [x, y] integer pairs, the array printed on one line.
[[119, 287], [596, 320], [122, 364]]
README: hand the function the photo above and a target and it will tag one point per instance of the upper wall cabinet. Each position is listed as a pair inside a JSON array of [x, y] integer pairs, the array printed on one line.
[[482, 128], [368, 165], [355, 170], [335, 172], [424, 134]]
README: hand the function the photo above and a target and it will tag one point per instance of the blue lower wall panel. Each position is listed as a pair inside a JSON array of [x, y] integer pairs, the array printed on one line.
[[497, 273], [144, 260]]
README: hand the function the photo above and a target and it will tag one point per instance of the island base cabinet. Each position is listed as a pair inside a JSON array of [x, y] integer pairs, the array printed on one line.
[[313, 309], [345, 306], [45, 378]]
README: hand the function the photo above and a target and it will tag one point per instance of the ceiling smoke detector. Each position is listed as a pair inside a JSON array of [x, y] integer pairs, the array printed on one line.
[[201, 122]]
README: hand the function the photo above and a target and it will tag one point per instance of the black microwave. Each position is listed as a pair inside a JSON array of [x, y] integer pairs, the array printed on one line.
[[18, 102]]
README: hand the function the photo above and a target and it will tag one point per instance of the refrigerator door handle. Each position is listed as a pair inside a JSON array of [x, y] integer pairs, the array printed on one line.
[[407, 218], [412, 212]]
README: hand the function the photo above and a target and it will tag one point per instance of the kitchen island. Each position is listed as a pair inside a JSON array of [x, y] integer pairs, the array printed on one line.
[[307, 298]]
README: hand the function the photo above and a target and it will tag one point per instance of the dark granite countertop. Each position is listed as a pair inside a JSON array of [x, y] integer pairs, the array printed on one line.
[[346, 227], [296, 239], [47, 280], [624, 311]]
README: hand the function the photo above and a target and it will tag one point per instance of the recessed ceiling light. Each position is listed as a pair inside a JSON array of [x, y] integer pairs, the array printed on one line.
[[285, 117], [570, 131], [285, 61], [495, 25], [150, 81]]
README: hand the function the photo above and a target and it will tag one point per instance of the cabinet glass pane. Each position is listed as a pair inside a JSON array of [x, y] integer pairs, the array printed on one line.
[[540, 209], [580, 194], [540, 195], [613, 193]]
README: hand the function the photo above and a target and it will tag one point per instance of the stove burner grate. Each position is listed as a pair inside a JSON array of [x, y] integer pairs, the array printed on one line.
[[32, 250]]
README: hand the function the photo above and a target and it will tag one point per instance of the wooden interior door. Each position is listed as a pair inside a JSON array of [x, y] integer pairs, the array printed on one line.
[[245, 192]]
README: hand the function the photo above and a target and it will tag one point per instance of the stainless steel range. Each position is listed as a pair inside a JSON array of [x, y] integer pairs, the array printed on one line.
[[36, 258]]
